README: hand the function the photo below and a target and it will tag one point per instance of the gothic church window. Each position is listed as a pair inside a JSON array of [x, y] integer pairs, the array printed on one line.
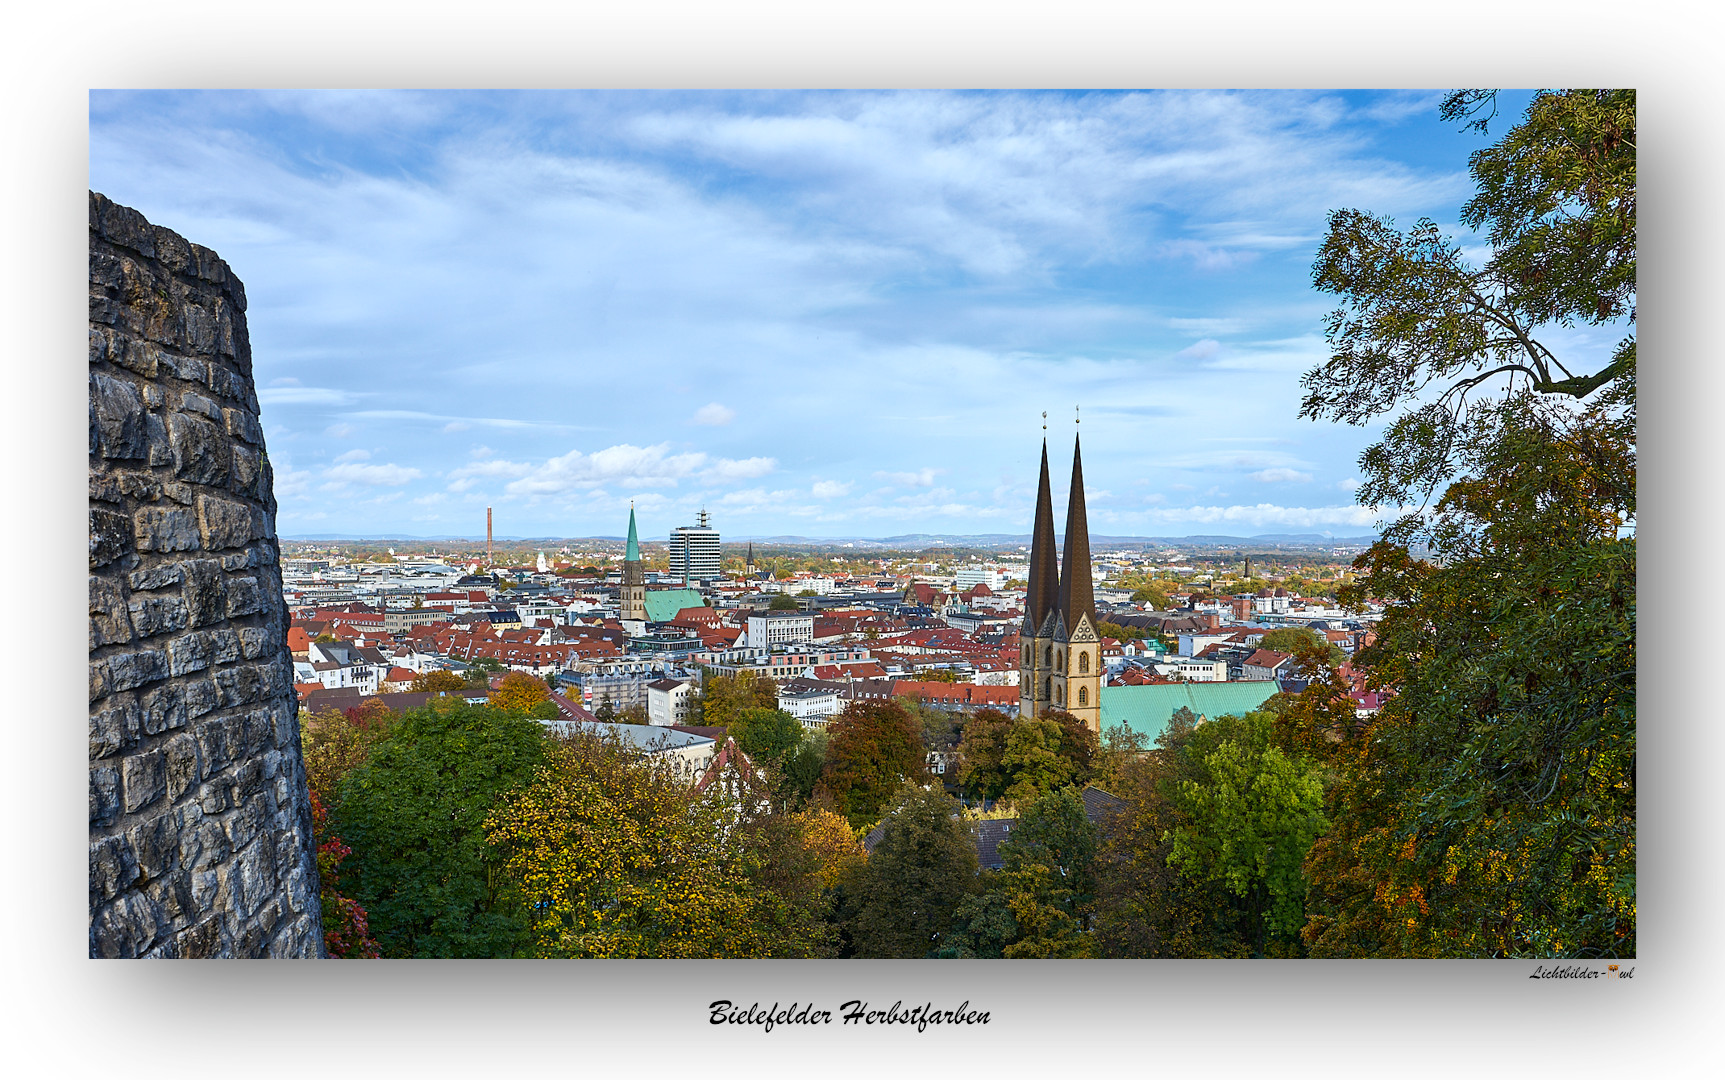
[[1083, 663], [1083, 696], [1059, 695]]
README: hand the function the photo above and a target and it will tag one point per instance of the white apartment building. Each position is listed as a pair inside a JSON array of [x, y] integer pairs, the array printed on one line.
[[668, 702], [771, 628], [814, 708]]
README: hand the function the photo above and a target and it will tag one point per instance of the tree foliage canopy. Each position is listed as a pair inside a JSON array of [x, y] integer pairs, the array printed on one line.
[[413, 815], [615, 856], [873, 749], [1422, 328], [722, 697], [924, 865], [1489, 808]]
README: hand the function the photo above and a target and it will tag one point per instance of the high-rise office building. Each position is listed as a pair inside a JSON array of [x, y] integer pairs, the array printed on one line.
[[695, 551]]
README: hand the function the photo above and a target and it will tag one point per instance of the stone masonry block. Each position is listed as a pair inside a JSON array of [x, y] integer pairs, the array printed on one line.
[[165, 528], [129, 670], [242, 685], [112, 729], [191, 652], [182, 756], [201, 452], [108, 622], [155, 577], [253, 641], [201, 697], [104, 795], [227, 523], [110, 536], [243, 425], [152, 615], [113, 867], [117, 417], [244, 597], [163, 709], [205, 592], [144, 777], [197, 403]]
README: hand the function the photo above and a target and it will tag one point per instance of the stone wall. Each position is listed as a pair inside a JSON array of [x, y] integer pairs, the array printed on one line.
[[200, 825]]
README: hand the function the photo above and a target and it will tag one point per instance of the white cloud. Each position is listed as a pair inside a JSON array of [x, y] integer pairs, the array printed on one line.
[[714, 415], [1264, 514], [304, 395], [338, 431], [1199, 350], [465, 477], [390, 475], [645, 466], [919, 478], [1350, 484], [830, 489], [355, 454], [1281, 476], [726, 469]]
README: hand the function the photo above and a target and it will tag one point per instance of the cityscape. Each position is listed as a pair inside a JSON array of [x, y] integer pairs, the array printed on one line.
[[806, 621]]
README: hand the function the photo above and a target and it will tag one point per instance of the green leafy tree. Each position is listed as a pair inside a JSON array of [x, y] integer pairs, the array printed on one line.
[[1048, 878], [766, 735], [799, 771], [983, 927], [1022, 758], [413, 814], [1120, 748], [722, 697], [982, 748], [782, 602], [923, 867], [1292, 639], [1154, 594], [1489, 809], [1250, 814], [873, 749], [1033, 762]]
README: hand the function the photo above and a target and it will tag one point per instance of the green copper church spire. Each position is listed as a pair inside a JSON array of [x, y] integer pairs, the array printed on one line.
[[633, 552]]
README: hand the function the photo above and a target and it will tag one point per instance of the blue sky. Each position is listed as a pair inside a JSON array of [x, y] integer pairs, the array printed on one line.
[[827, 314]]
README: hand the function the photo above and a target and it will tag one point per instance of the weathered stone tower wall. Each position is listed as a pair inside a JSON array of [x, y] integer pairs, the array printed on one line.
[[200, 825]]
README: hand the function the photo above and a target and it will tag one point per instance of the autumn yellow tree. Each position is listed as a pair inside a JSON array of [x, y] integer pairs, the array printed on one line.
[[617, 856], [434, 682], [519, 692]]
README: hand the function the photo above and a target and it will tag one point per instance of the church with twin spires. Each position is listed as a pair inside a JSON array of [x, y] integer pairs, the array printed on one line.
[[1060, 652]]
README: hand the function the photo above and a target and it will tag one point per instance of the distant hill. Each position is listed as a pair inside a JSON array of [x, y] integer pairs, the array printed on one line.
[[905, 541]]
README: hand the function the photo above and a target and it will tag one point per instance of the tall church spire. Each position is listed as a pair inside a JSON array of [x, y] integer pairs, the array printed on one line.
[[1077, 597], [632, 597], [1042, 594]]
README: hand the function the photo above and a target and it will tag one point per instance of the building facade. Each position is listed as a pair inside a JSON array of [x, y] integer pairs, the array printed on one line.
[[770, 628], [1060, 653], [695, 551]]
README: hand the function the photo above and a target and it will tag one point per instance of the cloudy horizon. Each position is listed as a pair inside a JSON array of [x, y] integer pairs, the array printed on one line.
[[828, 314]]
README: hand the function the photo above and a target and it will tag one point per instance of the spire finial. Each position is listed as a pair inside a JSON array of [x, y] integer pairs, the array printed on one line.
[[1044, 419], [1075, 417]]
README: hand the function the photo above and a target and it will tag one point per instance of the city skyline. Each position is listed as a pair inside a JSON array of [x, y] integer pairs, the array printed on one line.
[[823, 315]]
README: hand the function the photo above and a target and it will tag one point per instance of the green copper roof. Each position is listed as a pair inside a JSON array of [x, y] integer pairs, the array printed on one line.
[[1146, 709], [633, 552], [663, 604]]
